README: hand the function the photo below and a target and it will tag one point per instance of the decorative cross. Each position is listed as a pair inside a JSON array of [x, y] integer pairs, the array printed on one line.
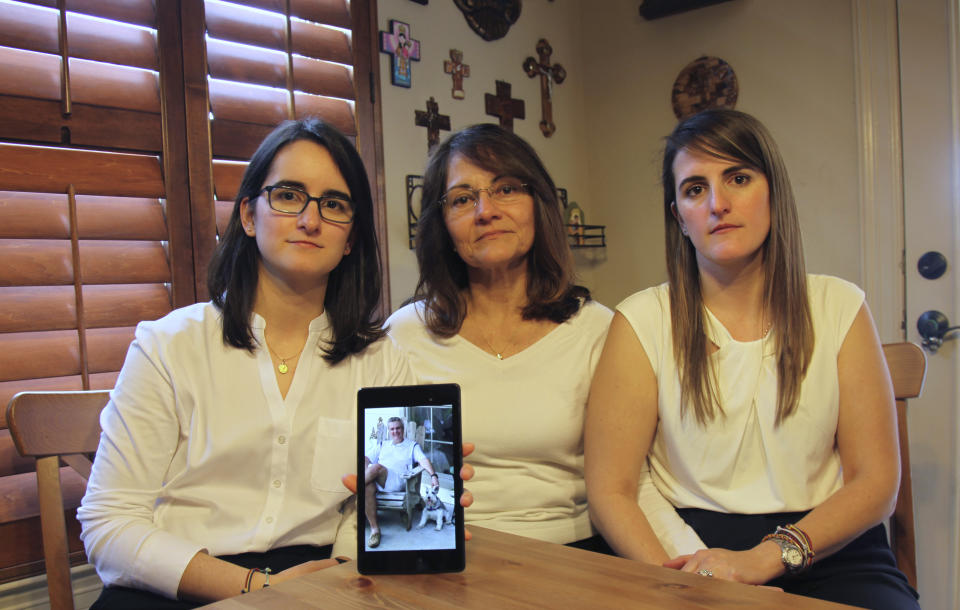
[[503, 106], [433, 121], [548, 75], [402, 50], [458, 70]]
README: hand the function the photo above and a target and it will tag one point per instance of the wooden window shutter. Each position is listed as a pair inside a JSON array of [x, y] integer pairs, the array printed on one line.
[[87, 232]]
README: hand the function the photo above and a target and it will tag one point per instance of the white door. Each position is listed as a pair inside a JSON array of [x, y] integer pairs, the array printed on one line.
[[929, 92]]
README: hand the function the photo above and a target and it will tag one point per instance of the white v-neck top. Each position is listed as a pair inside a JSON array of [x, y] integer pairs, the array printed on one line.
[[741, 462], [525, 414], [199, 450]]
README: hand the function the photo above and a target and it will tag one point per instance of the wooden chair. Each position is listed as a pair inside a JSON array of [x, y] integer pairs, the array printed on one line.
[[405, 501], [908, 365], [54, 426]]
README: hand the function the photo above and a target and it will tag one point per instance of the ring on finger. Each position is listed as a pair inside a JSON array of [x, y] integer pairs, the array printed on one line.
[[705, 572]]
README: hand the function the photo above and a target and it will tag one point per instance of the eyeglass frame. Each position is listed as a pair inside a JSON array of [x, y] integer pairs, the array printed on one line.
[[527, 188], [269, 189]]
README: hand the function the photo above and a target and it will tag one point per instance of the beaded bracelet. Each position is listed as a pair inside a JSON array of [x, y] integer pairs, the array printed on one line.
[[248, 581]]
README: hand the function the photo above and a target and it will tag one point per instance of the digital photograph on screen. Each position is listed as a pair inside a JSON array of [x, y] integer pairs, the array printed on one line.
[[413, 510]]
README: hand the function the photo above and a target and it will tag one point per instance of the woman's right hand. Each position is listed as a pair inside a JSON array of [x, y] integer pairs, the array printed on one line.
[[755, 566]]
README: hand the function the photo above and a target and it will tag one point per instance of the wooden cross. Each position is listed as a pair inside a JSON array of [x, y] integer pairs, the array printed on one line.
[[433, 121], [458, 70], [402, 50], [503, 106], [548, 75]]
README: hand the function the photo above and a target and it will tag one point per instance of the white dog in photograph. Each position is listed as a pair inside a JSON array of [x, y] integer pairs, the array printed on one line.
[[434, 508]]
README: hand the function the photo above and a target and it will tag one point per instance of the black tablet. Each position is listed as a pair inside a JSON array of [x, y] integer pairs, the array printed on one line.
[[409, 454]]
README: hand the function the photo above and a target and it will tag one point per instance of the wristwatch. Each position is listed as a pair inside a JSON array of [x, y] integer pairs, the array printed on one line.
[[790, 555]]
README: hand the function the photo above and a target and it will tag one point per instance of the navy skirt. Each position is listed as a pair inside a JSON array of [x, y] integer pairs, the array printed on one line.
[[863, 573], [278, 560]]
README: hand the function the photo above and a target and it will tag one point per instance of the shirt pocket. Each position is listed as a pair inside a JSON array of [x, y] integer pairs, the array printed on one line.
[[334, 455]]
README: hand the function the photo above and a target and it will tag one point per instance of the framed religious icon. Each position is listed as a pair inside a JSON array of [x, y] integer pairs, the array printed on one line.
[[402, 49]]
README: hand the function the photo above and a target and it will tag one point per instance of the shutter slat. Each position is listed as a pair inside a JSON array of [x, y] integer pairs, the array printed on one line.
[[139, 12], [317, 41], [39, 308], [54, 353], [332, 12], [234, 23], [124, 304], [34, 215], [107, 347], [114, 86], [120, 218], [29, 74], [46, 169], [237, 140], [36, 120], [246, 64], [112, 42], [123, 262], [226, 179], [33, 308], [338, 113], [35, 262], [247, 103], [29, 27], [322, 78]]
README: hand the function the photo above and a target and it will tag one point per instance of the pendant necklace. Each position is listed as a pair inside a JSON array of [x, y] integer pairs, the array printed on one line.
[[282, 368]]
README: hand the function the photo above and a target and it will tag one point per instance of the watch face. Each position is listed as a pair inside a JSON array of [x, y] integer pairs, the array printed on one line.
[[793, 557]]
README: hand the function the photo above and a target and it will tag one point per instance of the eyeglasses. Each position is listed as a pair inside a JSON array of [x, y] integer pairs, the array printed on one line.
[[292, 200], [463, 199]]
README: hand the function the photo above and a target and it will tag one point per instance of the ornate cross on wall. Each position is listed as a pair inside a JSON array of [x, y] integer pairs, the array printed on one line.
[[402, 50], [433, 121], [503, 106], [458, 70], [548, 76]]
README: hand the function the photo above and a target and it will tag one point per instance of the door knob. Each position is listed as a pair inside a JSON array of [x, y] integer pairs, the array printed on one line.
[[934, 328]]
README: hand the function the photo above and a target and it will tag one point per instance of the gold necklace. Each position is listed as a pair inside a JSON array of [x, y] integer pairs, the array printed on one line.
[[282, 368], [499, 353]]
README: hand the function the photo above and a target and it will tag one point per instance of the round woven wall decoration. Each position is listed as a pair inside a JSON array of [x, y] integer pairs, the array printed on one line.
[[706, 82]]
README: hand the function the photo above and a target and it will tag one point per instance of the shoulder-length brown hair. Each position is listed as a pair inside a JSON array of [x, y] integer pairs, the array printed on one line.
[[353, 288], [551, 293], [737, 137]]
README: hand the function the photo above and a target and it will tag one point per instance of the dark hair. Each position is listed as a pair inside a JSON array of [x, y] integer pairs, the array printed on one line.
[[551, 293], [353, 287], [738, 137]]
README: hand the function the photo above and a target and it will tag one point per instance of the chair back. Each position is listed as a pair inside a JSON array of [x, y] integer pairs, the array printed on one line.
[[51, 426], [908, 366]]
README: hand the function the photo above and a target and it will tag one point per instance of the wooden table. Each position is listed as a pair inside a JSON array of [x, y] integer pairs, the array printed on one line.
[[507, 571]]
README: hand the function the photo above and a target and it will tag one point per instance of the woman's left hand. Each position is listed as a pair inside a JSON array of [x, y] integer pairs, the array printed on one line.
[[756, 566]]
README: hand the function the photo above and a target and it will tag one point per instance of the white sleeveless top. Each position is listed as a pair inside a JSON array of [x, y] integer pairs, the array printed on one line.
[[740, 462]]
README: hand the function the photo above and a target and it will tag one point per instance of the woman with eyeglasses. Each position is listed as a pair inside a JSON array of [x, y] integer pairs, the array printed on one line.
[[759, 391], [496, 310], [232, 421]]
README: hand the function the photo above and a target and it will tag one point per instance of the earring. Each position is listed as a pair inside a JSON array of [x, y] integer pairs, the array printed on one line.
[[683, 230]]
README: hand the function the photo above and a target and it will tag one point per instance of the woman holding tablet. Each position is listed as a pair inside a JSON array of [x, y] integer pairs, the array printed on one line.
[[232, 421]]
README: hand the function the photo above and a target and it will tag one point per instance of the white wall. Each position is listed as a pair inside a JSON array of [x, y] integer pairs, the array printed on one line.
[[439, 26]]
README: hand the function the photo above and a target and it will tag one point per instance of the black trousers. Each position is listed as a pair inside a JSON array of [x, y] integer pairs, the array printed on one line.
[[594, 543], [863, 573], [123, 598]]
